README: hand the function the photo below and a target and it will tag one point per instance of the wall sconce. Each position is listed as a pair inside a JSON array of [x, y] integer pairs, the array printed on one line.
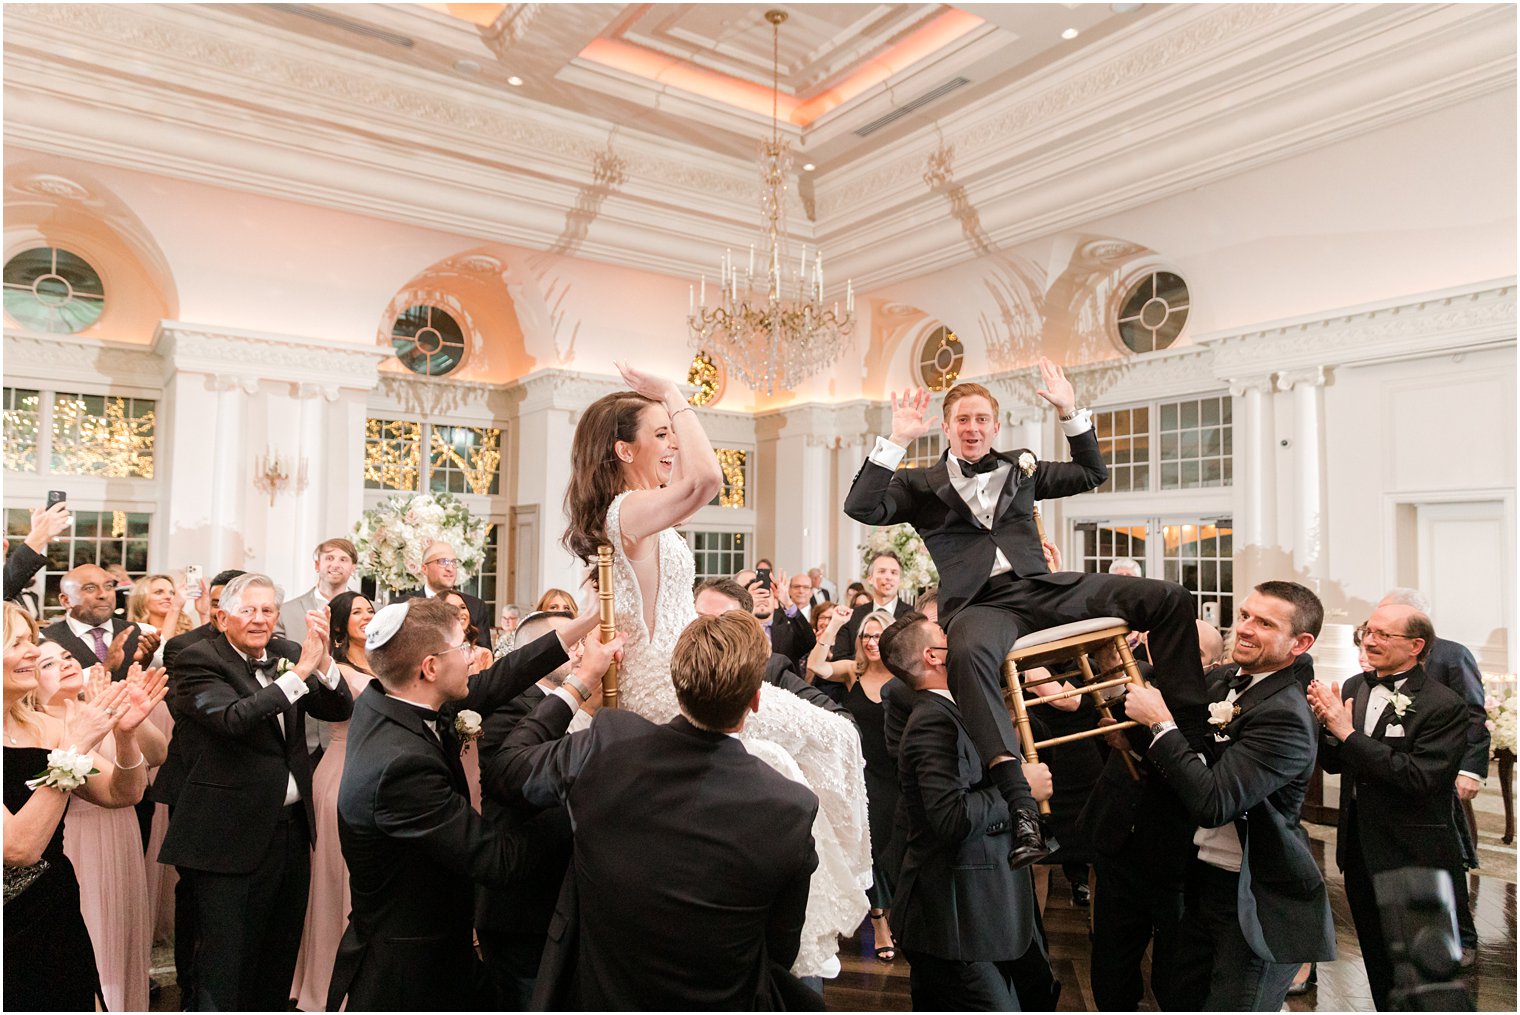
[[272, 474]]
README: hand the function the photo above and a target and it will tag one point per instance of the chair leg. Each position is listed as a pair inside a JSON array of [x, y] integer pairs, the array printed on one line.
[[1021, 719], [1105, 711]]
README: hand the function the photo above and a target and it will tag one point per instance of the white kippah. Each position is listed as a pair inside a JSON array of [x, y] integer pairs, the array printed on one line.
[[384, 625]]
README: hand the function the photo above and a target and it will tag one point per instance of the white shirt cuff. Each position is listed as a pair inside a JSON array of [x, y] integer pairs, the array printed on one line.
[[1475, 777], [886, 454], [291, 683], [331, 677], [1078, 424], [567, 698]]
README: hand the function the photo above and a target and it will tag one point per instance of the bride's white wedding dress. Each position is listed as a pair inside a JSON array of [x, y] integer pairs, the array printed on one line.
[[807, 744]]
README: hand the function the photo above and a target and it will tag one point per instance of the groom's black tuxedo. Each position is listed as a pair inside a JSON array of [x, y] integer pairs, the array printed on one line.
[[1280, 911], [983, 615], [689, 876]]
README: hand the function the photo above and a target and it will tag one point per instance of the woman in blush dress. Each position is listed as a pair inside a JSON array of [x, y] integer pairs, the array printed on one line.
[[641, 465], [480, 659], [327, 901], [105, 845], [49, 959]]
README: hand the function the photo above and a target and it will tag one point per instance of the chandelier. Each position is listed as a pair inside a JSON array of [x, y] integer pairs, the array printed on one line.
[[773, 329]]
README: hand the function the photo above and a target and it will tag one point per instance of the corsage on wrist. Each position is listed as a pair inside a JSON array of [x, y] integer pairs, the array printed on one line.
[[66, 770]]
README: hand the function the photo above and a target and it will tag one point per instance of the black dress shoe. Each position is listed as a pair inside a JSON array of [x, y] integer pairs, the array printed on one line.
[[1028, 840], [1080, 896]]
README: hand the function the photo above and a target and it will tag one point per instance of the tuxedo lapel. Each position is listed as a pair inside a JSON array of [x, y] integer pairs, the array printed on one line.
[[938, 477], [1359, 704], [1011, 484]]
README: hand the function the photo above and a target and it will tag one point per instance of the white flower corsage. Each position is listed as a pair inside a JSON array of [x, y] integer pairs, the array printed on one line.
[[1222, 713], [1401, 703], [283, 666], [1026, 463], [66, 770], [467, 725]]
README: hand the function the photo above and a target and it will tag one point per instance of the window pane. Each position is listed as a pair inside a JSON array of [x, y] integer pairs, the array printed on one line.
[[21, 419], [103, 435], [392, 454]]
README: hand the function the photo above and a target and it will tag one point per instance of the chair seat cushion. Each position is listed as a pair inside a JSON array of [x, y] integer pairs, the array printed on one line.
[[1034, 639]]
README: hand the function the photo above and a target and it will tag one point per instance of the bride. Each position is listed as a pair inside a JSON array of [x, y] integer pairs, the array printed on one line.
[[641, 465]]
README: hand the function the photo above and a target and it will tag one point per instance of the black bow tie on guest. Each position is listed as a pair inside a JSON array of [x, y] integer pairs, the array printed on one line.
[[264, 668], [987, 463], [1373, 680], [1240, 681]]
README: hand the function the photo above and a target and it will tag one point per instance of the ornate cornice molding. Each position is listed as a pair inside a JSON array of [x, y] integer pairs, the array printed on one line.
[[55, 360], [255, 356], [442, 400]]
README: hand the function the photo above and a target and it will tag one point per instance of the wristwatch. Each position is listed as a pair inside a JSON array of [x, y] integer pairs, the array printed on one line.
[[1074, 414], [1158, 728], [578, 688]]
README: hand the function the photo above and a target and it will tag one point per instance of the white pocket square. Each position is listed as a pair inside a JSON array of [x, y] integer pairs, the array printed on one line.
[[1394, 731]]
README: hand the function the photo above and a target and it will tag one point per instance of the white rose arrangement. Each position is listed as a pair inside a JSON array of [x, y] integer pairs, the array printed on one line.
[[1401, 703], [1027, 464], [1499, 702], [66, 770], [918, 570], [392, 537], [1222, 713], [467, 725]]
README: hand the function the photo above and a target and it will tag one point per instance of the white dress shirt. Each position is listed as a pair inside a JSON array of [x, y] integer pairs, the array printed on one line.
[[295, 688], [1220, 847]]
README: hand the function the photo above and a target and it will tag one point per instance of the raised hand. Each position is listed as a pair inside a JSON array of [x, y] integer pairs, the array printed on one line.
[[85, 724], [314, 646], [145, 689], [116, 652], [1058, 390], [838, 617], [649, 386], [147, 644], [908, 420], [46, 524]]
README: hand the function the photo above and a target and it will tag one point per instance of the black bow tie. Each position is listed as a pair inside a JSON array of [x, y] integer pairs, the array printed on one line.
[[264, 668], [1240, 681], [1373, 680], [987, 463]]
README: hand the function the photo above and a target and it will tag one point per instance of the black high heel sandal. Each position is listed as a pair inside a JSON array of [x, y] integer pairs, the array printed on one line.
[[884, 953]]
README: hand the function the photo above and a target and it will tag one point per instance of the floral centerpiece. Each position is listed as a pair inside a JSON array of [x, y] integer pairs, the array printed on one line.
[[918, 571], [392, 537], [1499, 700]]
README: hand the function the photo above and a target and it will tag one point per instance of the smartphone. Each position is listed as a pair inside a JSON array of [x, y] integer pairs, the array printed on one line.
[[56, 497], [193, 581], [763, 575]]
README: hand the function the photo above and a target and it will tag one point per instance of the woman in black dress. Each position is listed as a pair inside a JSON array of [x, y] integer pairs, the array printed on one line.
[[49, 962], [864, 703]]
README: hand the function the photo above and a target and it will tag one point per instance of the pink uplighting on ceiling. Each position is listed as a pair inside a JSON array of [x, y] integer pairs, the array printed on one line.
[[930, 37]]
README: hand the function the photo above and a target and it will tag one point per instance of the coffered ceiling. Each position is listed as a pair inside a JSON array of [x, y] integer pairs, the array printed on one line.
[[627, 132]]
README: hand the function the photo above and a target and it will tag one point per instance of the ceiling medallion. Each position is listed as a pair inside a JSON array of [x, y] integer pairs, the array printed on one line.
[[773, 330]]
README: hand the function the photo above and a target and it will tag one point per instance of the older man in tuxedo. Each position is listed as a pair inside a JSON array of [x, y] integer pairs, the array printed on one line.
[[440, 574], [974, 510], [413, 844], [968, 924], [243, 826], [1255, 905], [1397, 738], [689, 878]]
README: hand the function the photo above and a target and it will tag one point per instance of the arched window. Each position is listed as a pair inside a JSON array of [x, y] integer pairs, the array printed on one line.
[[1154, 312], [940, 359], [427, 340], [50, 289]]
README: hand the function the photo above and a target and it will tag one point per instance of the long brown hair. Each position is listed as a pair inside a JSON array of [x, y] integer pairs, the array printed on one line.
[[137, 604], [596, 473]]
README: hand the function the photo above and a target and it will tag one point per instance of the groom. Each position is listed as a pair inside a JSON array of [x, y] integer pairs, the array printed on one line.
[[974, 510]]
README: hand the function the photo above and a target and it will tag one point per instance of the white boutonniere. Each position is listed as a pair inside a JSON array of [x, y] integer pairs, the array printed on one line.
[[467, 725], [66, 770], [1401, 703], [283, 666], [1026, 463], [1222, 713]]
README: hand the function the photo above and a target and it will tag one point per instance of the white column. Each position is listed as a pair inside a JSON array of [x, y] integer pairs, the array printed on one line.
[[1308, 468], [231, 484], [850, 535]]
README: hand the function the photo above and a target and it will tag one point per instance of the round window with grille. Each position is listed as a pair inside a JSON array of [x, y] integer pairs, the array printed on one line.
[[427, 340], [940, 359], [50, 289], [1154, 312]]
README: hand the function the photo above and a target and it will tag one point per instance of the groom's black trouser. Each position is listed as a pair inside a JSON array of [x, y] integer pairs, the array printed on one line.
[[981, 633]]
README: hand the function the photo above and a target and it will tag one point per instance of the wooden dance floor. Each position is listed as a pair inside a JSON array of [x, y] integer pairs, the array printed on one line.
[[869, 985]]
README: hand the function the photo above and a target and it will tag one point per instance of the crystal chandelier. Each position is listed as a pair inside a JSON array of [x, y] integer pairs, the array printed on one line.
[[772, 329]]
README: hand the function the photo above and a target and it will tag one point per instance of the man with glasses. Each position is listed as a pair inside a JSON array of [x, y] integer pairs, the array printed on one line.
[[1397, 738], [89, 630], [440, 574], [243, 825]]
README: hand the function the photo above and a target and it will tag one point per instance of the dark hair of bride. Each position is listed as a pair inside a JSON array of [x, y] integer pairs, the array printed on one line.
[[596, 472]]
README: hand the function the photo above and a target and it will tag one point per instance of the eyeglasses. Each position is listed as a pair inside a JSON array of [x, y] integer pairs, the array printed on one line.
[[463, 646], [1370, 633], [265, 613], [443, 562], [92, 588], [870, 637], [938, 648]]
